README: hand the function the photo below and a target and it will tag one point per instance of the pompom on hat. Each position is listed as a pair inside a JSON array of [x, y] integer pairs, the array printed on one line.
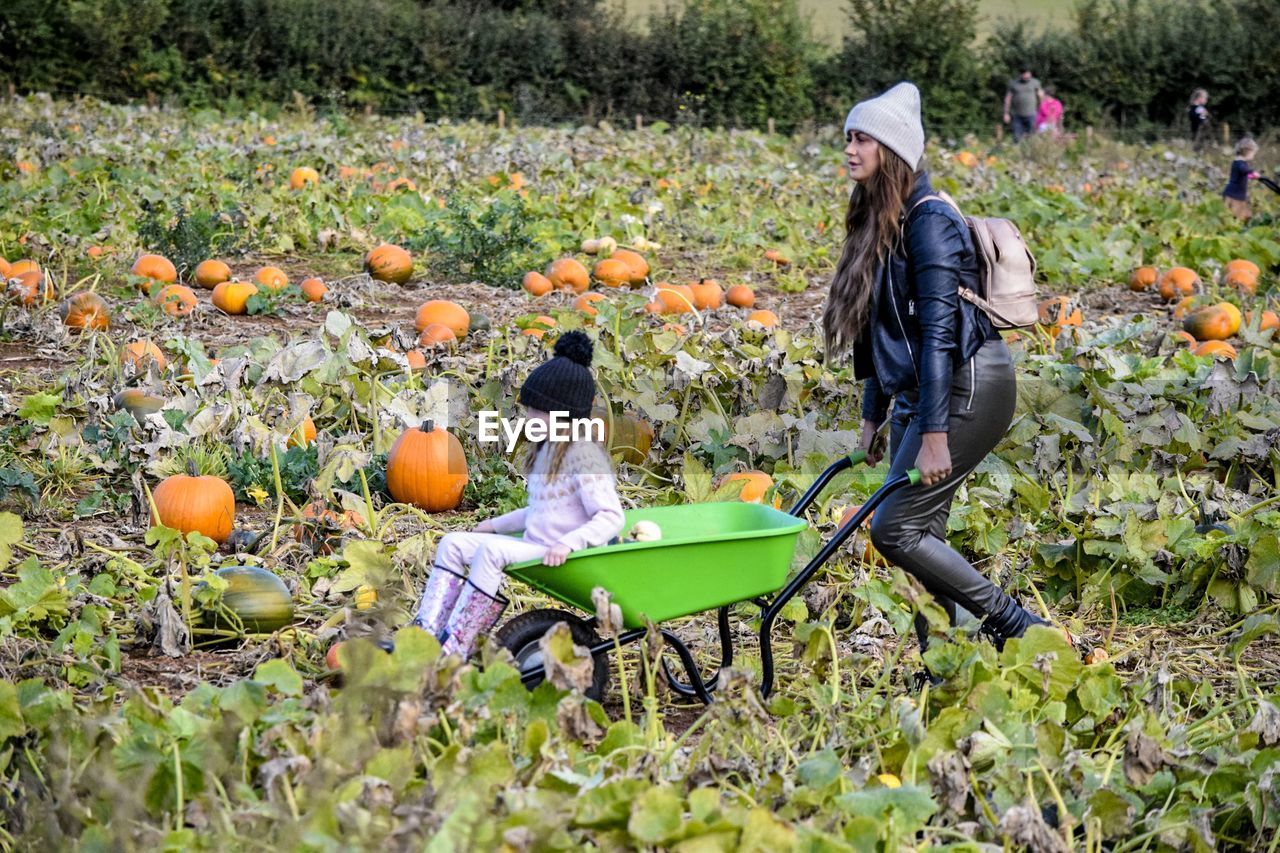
[[563, 383], [893, 120]]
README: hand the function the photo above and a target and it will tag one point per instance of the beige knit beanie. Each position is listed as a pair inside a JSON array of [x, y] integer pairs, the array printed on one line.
[[893, 120]]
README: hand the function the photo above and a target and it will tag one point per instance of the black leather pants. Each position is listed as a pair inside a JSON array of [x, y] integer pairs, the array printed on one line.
[[910, 527]]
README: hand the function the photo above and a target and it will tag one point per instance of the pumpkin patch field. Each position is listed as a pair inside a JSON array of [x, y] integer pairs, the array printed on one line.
[[241, 361]]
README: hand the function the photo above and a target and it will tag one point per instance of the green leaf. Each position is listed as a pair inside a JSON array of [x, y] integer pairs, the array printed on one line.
[[656, 816], [10, 535], [11, 722], [278, 674], [40, 407]]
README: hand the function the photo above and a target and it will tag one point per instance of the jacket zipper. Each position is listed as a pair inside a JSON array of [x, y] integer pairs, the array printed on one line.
[[893, 297], [973, 382]]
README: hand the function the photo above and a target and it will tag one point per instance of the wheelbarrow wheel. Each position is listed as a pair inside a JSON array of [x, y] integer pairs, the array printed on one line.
[[520, 636]]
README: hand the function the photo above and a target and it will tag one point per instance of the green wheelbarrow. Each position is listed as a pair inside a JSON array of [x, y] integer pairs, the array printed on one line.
[[711, 556]]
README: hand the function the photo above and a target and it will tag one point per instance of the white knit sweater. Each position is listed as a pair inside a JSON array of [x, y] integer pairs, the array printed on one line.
[[580, 509]]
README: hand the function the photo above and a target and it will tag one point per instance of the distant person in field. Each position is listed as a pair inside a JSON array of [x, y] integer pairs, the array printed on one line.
[[1049, 115], [1021, 102], [895, 311], [1236, 192], [1198, 114]]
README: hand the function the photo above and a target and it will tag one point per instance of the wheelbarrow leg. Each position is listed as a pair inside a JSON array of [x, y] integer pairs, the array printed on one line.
[[699, 687], [726, 660]]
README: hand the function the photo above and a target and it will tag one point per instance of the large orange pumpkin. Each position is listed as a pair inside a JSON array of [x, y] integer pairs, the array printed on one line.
[[389, 263], [138, 353], [86, 310], [211, 273], [1210, 323], [675, 298], [707, 294], [568, 274], [232, 297], [758, 482], [1143, 278], [426, 467], [1216, 349], [636, 264], [176, 300], [444, 312], [189, 502], [24, 265], [313, 289], [155, 268], [1177, 283]]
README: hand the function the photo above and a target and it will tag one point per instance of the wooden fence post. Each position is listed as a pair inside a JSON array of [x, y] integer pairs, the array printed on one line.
[[1226, 133], [502, 119], [770, 125], [1088, 135], [999, 133], [639, 122]]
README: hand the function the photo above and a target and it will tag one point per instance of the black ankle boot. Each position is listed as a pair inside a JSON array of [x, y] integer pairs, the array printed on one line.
[[1011, 620]]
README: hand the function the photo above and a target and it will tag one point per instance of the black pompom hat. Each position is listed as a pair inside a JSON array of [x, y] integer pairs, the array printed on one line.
[[563, 383]]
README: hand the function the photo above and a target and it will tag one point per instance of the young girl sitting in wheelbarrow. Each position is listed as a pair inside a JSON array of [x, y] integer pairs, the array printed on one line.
[[573, 504]]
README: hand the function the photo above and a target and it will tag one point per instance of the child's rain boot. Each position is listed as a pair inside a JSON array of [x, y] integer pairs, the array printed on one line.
[[443, 587], [474, 614]]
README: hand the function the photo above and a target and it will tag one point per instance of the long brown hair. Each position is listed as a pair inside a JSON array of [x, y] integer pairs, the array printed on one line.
[[871, 227]]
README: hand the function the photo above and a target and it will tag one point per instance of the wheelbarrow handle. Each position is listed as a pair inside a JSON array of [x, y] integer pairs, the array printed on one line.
[[855, 458]]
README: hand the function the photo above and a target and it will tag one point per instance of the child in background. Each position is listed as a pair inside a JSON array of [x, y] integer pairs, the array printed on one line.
[[1198, 114], [573, 504], [1236, 193], [1049, 114]]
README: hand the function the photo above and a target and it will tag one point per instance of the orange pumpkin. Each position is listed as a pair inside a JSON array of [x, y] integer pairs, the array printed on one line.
[[536, 284], [4, 268], [389, 263], [437, 335], [1233, 315], [1185, 337], [322, 528], [1057, 313], [675, 298], [232, 297], [637, 266], [154, 268], [1185, 306], [30, 287], [272, 278], [777, 257], [568, 274], [426, 467], [967, 159], [613, 272], [1216, 349], [757, 483], [707, 294], [870, 555], [1239, 265], [583, 303], [138, 353], [676, 328], [1210, 323], [1268, 320], [417, 360], [1242, 275], [176, 300], [764, 318], [302, 176], [540, 326], [741, 296], [19, 267], [189, 502], [211, 273], [85, 310], [1177, 283], [313, 289], [1143, 278], [627, 436], [304, 434], [444, 312]]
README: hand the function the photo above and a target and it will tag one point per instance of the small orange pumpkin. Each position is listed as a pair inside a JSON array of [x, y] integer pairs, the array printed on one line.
[[313, 289], [777, 257], [1216, 349], [176, 300], [190, 502], [30, 287], [636, 264], [540, 326], [85, 311], [389, 263], [138, 353], [211, 273], [1059, 312], [1177, 283], [444, 312], [302, 176], [272, 278], [583, 303], [707, 294], [757, 483], [322, 528], [1268, 320], [764, 318], [741, 296], [1210, 323], [232, 297], [437, 335], [24, 265], [155, 269], [675, 298], [304, 434], [427, 467], [1143, 278], [613, 272], [536, 284]]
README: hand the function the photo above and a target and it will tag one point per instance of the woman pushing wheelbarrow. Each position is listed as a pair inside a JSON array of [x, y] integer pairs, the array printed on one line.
[[895, 304]]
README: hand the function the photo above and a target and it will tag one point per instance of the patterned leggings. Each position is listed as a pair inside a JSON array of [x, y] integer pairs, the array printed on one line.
[[481, 557]]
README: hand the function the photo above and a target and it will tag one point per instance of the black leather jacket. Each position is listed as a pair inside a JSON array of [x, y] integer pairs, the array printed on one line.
[[919, 329]]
